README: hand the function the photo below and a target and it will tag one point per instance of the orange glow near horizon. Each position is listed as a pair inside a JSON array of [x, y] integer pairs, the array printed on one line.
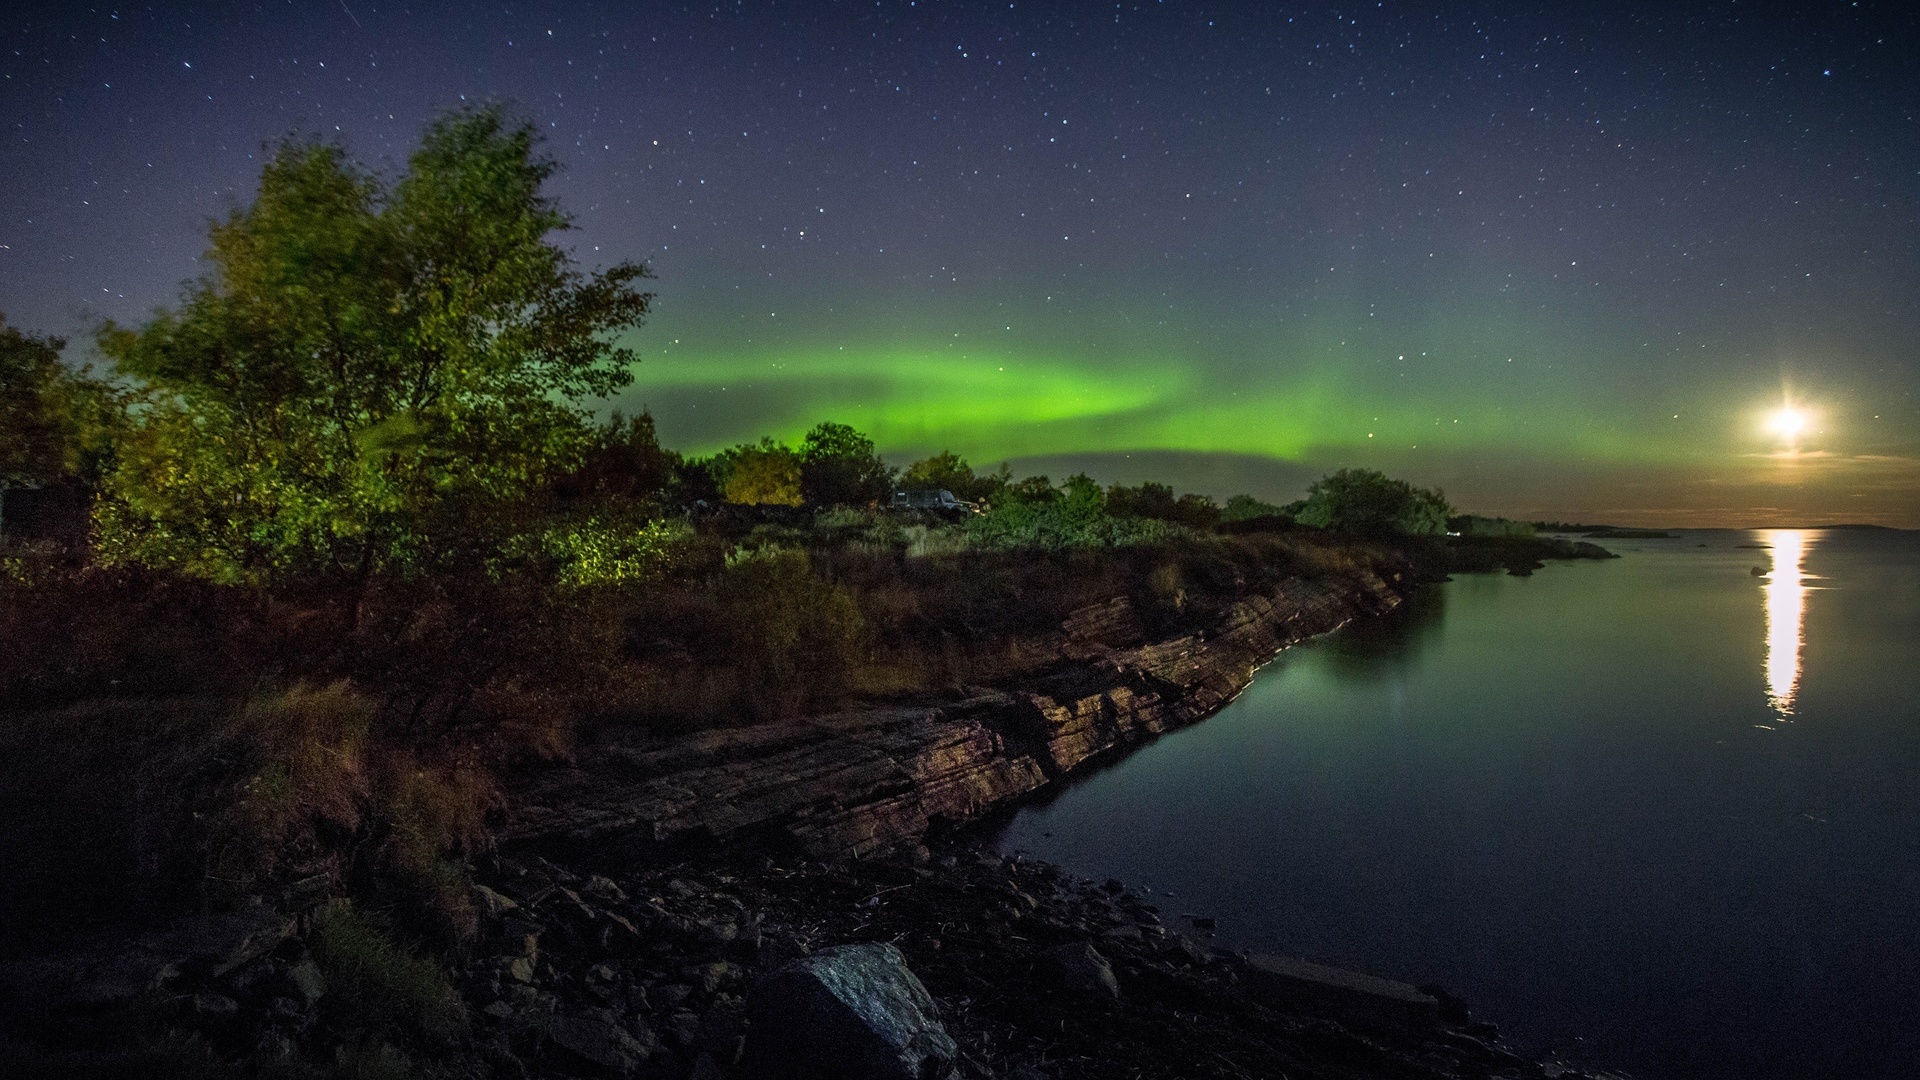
[[1786, 598]]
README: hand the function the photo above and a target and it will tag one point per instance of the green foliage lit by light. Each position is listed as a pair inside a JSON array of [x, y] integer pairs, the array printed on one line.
[[604, 551], [759, 474], [367, 369], [1074, 515]]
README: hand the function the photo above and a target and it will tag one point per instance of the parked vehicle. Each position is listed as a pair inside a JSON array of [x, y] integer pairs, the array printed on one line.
[[942, 499]]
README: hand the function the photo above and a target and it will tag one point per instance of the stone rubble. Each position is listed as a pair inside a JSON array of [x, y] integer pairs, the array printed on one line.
[[973, 965]]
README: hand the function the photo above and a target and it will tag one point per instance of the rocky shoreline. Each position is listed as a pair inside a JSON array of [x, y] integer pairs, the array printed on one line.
[[676, 970], [858, 783], [804, 900]]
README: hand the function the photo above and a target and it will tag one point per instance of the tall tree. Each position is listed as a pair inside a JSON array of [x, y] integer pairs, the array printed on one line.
[[840, 466], [368, 370]]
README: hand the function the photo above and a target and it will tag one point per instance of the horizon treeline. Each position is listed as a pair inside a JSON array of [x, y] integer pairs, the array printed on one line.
[[382, 375]]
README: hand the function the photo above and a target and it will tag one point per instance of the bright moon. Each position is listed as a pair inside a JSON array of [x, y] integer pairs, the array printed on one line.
[[1787, 422]]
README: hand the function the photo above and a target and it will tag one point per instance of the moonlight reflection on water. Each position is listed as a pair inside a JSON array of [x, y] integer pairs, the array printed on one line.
[[1786, 594]]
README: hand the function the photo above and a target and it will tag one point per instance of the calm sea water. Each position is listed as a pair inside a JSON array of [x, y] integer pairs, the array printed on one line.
[[1657, 812]]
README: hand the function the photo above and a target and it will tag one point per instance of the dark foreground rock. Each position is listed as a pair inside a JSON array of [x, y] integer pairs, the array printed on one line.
[[951, 963], [998, 967]]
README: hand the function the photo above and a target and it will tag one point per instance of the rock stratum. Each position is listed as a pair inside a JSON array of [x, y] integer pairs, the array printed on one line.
[[858, 783]]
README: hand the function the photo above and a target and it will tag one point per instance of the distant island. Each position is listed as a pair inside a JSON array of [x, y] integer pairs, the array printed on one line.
[[1614, 532]]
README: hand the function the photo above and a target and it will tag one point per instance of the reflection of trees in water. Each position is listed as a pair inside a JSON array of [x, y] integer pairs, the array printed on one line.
[[1369, 647]]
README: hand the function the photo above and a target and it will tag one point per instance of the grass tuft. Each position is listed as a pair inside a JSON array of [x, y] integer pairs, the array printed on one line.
[[378, 989]]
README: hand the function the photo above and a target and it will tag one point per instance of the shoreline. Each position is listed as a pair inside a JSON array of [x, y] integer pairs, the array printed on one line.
[[640, 899], [860, 782]]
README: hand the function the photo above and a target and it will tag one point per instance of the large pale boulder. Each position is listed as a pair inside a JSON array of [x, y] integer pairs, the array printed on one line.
[[855, 1012]]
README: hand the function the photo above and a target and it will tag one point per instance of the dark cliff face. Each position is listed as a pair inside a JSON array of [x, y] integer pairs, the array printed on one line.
[[861, 782]]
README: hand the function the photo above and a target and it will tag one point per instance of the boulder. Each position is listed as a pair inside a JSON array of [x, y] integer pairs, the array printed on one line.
[[1081, 969], [855, 1012], [597, 1037], [1351, 995], [491, 904], [304, 983]]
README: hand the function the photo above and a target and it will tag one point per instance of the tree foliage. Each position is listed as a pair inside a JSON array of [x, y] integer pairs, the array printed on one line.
[[1157, 501], [1369, 503], [1034, 514], [765, 473], [54, 422], [370, 372], [948, 471], [625, 460], [1247, 508], [841, 467]]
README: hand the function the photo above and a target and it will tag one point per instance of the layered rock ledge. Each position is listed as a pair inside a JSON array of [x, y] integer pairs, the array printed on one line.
[[857, 783]]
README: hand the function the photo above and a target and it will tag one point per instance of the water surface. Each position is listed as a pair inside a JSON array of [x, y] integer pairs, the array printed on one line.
[[1657, 812]]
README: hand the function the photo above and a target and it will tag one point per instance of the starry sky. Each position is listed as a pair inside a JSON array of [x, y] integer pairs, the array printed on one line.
[[1560, 260]]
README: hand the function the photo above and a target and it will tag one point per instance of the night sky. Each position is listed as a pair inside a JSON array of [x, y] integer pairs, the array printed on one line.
[[1560, 261]]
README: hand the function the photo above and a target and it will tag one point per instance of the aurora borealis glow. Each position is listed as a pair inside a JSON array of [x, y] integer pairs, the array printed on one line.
[[1560, 264]]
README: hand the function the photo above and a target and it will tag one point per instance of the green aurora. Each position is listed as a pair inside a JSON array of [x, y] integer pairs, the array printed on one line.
[[1510, 415]]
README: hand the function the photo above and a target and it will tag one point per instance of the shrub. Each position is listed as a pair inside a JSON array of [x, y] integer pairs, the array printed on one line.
[[795, 634], [307, 783], [923, 541], [1151, 500], [1074, 515], [603, 550], [376, 987]]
